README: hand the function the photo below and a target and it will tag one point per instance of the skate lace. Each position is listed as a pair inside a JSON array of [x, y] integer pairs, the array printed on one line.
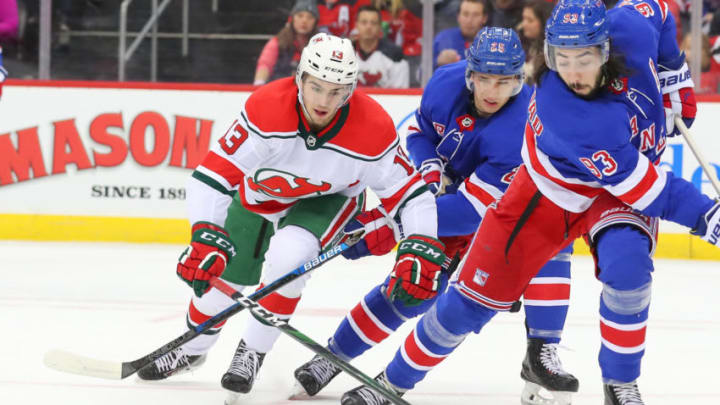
[[628, 394], [171, 361], [370, 397], [322, 369], [550, 359], [245, 363]]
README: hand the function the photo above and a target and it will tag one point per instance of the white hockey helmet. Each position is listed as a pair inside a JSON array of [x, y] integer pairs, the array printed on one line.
[[328, 58]]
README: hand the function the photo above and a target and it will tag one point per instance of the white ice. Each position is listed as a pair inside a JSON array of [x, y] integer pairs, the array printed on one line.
[[121, 301]]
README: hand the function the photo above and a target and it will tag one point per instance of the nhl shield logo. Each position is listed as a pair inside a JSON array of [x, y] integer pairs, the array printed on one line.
[[311, 141]]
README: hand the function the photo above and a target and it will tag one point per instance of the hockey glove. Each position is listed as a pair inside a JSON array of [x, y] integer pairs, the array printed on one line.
[[416, 275], [708, 227], [381, 234], [209, 253], [432, 172], [678, 98]]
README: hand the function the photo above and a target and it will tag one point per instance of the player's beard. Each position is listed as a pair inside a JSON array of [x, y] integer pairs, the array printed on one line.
[[599, 83]]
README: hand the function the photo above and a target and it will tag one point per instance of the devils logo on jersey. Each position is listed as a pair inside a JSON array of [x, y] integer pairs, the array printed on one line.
[[276, 183]]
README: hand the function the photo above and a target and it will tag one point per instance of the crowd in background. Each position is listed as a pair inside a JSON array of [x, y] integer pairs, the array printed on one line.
[[387, 33]]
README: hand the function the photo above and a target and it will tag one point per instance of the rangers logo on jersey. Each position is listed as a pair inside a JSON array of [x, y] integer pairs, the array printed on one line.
[[276, 183], [465, 122], [618, 86]]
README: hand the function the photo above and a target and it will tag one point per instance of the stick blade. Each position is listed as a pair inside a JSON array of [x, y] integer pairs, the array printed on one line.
[[76, 364]]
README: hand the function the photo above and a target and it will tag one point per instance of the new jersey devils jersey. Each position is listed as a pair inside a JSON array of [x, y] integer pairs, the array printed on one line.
[[273, 159]]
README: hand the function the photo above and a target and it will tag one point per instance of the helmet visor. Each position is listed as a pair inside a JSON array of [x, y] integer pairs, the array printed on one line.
[[501, 86], [576, 60]]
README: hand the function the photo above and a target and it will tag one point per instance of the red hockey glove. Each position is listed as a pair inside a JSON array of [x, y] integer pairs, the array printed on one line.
[[432, 172], [416, 275], [209, 253], [380, 237], [678, 98], [708, 227]]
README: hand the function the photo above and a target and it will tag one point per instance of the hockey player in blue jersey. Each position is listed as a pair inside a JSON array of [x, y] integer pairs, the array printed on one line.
[[465, 139], [594, 133]]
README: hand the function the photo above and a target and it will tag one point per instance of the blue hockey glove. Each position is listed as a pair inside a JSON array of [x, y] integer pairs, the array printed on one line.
[[678, 97], [432, 172], [708, 227], [381, 234]]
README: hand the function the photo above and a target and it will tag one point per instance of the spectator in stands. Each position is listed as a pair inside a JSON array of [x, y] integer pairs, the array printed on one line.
[[380, 62], [402, 23], [506, 13], [450, 44], [338, 16], [8, 20], [281, 54], [709, 77], [532, 32]]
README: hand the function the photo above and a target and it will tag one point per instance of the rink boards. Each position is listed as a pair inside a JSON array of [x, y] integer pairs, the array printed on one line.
[[104, 161]]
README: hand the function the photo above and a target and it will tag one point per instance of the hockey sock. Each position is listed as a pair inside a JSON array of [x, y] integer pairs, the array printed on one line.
[[547, 297], [200, 310], [372, 320], [625, 270], [435, 336]]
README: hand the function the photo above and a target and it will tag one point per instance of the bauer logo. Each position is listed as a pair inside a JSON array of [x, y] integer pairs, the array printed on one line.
[[480, 278]]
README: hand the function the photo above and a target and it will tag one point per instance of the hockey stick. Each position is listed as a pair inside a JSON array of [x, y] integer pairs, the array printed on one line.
[[114, 370], [696, 151], [304, 340]]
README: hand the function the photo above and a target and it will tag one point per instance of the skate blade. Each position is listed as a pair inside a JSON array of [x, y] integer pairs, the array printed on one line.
[[534, 394], [233, 398], [298, 393]]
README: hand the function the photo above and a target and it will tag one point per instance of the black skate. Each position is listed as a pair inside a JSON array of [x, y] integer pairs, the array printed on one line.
[[173, 363], [363, 395], [313, 376], [622, 394], [542, 369], [243, 369]]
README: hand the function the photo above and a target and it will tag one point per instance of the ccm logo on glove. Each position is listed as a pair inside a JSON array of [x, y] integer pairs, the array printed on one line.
[[421, 248]]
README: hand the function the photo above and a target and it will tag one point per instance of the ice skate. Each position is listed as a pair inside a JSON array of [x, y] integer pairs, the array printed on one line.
[[313, 376], [174, 363], [542, 370], [622, 394], [241, 375], [363, 395]]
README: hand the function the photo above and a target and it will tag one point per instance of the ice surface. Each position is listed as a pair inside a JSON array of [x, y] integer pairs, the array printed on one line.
[[121, 301]]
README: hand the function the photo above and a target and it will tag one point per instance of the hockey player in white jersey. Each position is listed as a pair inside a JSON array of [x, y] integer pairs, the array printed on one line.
[[278, 189]]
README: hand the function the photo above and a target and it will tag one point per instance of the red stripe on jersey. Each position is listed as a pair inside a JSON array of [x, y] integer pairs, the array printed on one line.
[[265, 207], [581, 189], [198, 317], [479, 193], [279, 304], [367, 325], [223, 167], [394, 200], [641, 188], [413, 128], [623, 338], [547, 292], [340, 221], [418, 356]]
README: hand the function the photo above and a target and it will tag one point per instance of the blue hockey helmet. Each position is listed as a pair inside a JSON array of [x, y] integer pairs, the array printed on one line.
[[496, 51], [577, 24]]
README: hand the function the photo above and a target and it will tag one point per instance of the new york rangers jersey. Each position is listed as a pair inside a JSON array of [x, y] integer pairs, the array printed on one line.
[[576, 148], [480, 154], [272, 159]]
